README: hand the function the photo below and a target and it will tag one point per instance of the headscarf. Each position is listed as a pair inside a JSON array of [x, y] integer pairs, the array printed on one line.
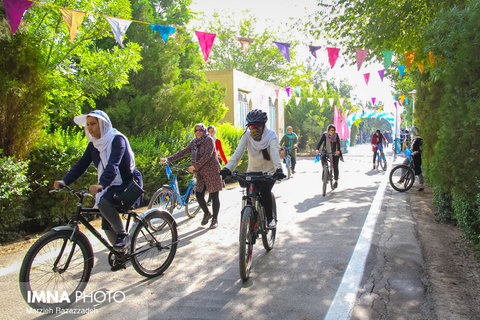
[[198, 141], [329, 137], [416, 132], [290, 136], [214, 137], [264, 142]]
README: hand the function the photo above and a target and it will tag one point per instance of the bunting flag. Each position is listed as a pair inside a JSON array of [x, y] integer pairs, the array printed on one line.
[[401, 68], [337, 118], [320, 101], [73, 19], [299, 90], [165, 31], [366, 76], [288, 91], [332, 56], [119, 28], [431, 57], [313, 50], [331, 100], [277, 92], [373, 101], [409, 58], [14, 10], [381, 73], [406, 100], [387, 58], [205, 40], [342, 100], [324, 85], [309, 99], [402, 98], [420, 65], [361, 55], [245, 42], [297, 100], [284, 49]]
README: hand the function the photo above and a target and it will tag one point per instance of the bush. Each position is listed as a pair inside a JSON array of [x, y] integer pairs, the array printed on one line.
[[13, 188], [230, 137], [443, 203]]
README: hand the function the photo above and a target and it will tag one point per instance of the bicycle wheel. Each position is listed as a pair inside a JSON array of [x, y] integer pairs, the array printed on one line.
[[268, 235], [154, 243], [55, 269], [377, 160], [191, 205], [163, 199], [383, 163], [324, 180], [402, 178], [246, 243], [288, 163]]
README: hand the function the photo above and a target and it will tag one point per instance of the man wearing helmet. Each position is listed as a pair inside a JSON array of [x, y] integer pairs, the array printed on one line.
[[263, 156]]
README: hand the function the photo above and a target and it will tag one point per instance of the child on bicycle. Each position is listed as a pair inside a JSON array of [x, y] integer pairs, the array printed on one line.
[[110, 152], [378, 140], [331, 147], [290, 141], [262, 146]]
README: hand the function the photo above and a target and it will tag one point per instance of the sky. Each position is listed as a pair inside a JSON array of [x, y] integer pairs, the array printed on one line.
[[276, 12]]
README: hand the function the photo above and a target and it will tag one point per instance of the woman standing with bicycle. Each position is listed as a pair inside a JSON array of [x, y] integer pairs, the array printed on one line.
[[110, 152], [378, 140], [263, 156], [290, 141], [331, 147], [417, 157], [206, 167]]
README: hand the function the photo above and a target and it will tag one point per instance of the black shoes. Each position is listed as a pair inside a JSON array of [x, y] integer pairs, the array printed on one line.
[[335, 185], [205, 219], [122, 242], [214, 224]]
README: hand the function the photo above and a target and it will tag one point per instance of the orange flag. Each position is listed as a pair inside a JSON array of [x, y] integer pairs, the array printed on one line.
[[73, 19], [409, 58], [431, 57], [402, 98], [420, 65]]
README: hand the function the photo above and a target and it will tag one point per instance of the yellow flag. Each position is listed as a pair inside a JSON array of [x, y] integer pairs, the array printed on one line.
[[409, 58], [73, 19], [402, 98], [431, 57], [420, 65]]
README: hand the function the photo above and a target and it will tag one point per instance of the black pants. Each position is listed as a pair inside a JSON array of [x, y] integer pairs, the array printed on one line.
[[293, 163], [266, 197], [335, 164], [203, 204]]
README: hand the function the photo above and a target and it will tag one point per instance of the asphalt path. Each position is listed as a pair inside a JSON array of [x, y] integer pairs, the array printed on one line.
[[299, 279]]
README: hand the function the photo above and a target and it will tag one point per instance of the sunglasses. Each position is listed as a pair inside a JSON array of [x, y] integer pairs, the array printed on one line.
[[255, 126], [198, 130]]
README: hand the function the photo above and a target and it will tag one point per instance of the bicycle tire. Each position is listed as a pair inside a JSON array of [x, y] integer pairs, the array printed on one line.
[[246, 239], [402, 178], [325, 180], [38, 268], [191, 201], [288, 163], [158, 238], [268, 235], [383, 163], [163, 199]]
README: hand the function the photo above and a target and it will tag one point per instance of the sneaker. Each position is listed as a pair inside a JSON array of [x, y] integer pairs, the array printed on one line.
[[205, 219], [214, 224], [272, 224], [122, 241], [335, 185]]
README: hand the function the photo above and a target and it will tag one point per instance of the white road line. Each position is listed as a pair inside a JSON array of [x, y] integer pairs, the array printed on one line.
[[343, 303]]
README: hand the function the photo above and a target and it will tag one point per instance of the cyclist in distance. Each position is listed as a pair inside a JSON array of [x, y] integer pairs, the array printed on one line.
[[331, 147], [263, 156], [290, 140], [206, 167], [110, 152], [378, 139]]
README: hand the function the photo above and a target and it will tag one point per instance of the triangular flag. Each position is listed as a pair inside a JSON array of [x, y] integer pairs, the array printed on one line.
[[283, 47], [341, 101], [361, 55], [277, 92], [73, 19], [288, 91], [297, 100], [381, 73], [409, 58], [205, 40], [119, 27], [402, 98], [320, 101], [387, 58], [313, 50], [324, 85], [401, 68], [431, 57], [333, 55], [14, 10], [309, 99], [366, 76], [245, 42], [331, 100], [373, 100], [299, 90], [420, 65], [406, 100], [165, 31]]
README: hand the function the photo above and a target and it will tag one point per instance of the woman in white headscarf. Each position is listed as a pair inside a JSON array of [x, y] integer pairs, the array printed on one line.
[[110, 152]]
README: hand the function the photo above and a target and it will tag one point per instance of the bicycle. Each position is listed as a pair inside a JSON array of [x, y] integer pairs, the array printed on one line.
[[168, 197], [253, 219], [57, 267], [288, 161], [327, 173], [402, 176], [380, 159]]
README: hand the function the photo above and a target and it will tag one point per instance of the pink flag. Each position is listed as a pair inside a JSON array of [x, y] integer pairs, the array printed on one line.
[[361, 55], [276, 92], [373, 100], [14, 10], [381, 73], [206, 42], [288, 91], [333, 55], [346, 129], [366, 76]]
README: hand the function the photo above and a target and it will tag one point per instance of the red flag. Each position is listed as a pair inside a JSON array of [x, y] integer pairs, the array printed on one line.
[[14, 10], [366, 76], [333, 55], [206, 42]]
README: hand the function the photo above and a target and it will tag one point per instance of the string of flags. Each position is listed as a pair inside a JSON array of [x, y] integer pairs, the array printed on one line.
[[15, 10]]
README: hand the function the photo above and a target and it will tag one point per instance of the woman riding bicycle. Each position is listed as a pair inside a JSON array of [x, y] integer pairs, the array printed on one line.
[[110, 152], [263, 156], [206, 167], [378, 141], [290, 141], [331, 147]]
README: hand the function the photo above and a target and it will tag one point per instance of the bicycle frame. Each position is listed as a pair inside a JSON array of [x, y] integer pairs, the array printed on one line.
[[183, 200]]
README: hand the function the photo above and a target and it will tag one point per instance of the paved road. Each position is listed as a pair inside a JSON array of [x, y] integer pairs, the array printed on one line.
[[298, 279]]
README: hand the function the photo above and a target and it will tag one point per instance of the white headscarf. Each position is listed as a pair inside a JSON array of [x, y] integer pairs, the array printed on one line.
[[264, 142]]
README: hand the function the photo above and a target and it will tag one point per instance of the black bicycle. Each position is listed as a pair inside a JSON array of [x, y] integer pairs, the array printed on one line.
[[59, 263], [402, 176], [327, 173], [253, 221]]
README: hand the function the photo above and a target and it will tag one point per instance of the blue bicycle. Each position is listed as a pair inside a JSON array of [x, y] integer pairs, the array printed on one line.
[[380, 158], [168, 197], [288, 160]]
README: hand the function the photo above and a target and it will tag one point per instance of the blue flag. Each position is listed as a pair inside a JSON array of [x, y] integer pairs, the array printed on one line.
[[317, 158], [169, 172]]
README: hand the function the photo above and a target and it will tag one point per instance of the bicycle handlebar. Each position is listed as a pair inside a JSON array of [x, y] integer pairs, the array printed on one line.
[[253, 176], [177, 167]]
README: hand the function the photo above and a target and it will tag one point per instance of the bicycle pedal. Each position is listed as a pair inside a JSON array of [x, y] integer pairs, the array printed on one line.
[[119, 266]]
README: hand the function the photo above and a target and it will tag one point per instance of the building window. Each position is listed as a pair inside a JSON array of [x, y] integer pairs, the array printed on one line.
[[244, 107], [272, 115]]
